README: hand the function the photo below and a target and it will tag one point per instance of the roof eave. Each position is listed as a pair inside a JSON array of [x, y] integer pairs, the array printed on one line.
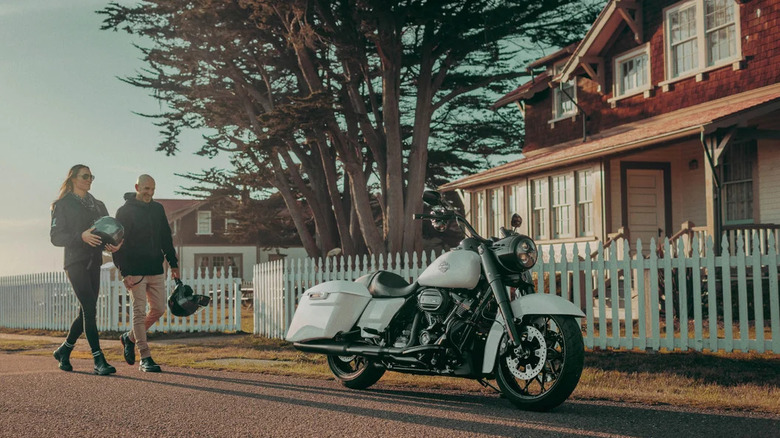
[[494, 177]]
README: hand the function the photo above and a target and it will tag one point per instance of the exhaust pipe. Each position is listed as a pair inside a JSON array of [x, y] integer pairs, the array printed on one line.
[[330, 347]]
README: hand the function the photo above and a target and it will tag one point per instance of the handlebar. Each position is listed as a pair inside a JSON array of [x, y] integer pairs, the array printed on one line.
[[431, 216], [449, 216]]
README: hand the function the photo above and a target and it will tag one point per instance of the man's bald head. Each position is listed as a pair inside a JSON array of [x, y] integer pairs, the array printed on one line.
[[144, 188]]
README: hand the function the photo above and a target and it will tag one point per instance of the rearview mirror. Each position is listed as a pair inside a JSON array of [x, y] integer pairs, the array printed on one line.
[[516, 221], [431, 197]]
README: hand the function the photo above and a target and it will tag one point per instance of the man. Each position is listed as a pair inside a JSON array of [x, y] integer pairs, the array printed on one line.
[[140, 260]]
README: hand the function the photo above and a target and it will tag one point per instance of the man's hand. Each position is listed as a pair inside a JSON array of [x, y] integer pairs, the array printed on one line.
[[114, 248], [91, 239], [175, 273], [128, 282]]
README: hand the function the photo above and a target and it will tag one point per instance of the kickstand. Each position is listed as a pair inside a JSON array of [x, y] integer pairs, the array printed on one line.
[[488, 385]]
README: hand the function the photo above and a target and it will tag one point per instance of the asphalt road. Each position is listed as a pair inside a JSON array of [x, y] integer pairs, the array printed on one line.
[[37, 399]]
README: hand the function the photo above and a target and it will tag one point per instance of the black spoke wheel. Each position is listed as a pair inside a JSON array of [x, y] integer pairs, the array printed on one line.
[[544, 372], [355, 372]]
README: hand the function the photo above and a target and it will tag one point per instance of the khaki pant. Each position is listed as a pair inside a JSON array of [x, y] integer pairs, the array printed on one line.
[[149, 288]]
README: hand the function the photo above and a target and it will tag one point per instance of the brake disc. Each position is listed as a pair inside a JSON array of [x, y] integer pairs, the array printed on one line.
[[539, 354]]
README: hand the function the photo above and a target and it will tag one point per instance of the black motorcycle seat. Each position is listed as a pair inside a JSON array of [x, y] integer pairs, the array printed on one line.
[[385, 284]]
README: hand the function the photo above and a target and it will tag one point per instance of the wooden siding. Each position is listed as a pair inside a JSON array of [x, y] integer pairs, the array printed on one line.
[[760, 39]]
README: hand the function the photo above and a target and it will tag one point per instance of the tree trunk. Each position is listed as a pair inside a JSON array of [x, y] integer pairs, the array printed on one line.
[[328, 163], [295, 210], [391, 77], [418, 158]]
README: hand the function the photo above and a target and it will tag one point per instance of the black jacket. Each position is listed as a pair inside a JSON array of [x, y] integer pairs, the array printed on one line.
[[147, 238], [69, 218]]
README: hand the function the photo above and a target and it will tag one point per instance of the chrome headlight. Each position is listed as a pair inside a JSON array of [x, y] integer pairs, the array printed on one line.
[[516, 253], [526, 252]]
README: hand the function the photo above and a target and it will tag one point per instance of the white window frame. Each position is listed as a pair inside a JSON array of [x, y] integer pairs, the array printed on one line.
[[496, 215], [633, 54], [558, 95], [204, 218], [229, 220], [562, 205], [547, 209], [702, 50], [731, 155], [480, 212], [584, 202], [539, 192]]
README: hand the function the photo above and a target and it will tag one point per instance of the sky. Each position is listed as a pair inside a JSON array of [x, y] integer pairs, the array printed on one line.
[[61, 103]]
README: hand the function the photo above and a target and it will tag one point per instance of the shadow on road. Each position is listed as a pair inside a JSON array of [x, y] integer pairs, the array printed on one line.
[[456, 412]]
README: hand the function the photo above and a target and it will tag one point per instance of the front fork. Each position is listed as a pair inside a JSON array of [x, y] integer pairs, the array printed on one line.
[[499, 291]]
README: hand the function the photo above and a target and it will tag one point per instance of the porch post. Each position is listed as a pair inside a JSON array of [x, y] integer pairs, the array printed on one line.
[[711, 195]]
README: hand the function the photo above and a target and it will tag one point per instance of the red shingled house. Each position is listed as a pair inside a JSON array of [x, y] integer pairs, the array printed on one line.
[[199, 235], [666, 113]]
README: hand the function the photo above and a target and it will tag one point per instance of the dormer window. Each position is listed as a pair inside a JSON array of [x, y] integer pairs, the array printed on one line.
[[204, 222], [564, 96], [700, 34], [632, 72], [230, 222]]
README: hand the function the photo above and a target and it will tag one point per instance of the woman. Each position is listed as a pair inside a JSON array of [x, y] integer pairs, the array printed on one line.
[[72, 216]]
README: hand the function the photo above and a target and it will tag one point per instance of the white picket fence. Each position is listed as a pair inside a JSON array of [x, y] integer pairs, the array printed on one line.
[[727, 302], [46, 301]]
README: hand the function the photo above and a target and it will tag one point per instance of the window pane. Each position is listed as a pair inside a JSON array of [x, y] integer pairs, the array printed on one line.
[[561, 206], [720, 29], [564, 99], [633, 73], [539, 206], [718, 12], [585, 203], [682, 37], [738, 162], [204, 222]]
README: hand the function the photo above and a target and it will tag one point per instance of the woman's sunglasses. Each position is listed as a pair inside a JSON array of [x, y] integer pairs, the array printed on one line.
[[88, 177]]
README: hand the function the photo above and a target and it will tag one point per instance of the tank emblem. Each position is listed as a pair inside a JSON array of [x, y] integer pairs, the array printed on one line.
[[444, 266]]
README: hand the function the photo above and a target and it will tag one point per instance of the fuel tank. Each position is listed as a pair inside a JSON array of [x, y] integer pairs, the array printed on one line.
[[454, 269]]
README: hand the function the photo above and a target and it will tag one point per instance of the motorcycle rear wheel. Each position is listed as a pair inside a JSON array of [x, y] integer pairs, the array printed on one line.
[[547, 376], [355, 372]]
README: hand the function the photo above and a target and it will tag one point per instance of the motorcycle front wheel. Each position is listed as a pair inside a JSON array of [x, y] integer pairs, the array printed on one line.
[[544, 372], [355, 372]]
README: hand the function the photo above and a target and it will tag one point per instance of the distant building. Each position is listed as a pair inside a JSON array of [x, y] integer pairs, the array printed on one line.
[[200, 236]]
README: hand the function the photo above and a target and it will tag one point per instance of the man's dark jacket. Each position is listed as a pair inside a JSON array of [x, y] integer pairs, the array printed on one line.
[[69, 218], [147, 238]]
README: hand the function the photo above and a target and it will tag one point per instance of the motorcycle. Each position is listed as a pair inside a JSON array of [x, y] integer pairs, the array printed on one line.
[[458, 319]]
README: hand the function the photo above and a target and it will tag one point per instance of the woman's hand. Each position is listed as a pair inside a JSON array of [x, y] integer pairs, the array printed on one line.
[[114, 248], [91, 239]]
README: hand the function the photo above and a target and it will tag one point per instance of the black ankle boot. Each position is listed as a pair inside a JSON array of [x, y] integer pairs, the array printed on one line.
[[101, 366], [62, 355]]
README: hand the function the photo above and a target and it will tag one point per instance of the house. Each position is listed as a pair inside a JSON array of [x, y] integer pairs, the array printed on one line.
[[666, 114], [201, 230]]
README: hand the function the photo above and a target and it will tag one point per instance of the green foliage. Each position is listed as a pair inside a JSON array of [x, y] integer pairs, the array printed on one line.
[[317, 100]]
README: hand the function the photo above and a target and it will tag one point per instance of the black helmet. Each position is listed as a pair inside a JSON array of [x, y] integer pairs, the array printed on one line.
[[109, 230], [183, 302]]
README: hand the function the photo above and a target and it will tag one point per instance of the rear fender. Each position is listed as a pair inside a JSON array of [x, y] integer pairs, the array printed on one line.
[[532, 304]]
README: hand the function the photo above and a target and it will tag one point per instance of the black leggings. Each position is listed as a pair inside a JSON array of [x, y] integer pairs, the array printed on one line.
[[85, 279]]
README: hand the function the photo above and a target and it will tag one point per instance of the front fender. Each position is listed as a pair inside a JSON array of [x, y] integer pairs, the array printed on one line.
[[544, 304], [532, 304]]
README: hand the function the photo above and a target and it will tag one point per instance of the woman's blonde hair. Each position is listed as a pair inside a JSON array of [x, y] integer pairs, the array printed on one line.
[[67, 185]]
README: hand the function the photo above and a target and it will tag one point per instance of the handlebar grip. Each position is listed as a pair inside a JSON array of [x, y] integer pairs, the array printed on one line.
[[430, 216]]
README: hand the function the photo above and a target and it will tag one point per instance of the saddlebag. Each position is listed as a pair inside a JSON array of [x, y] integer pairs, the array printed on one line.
[[327, 309]]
